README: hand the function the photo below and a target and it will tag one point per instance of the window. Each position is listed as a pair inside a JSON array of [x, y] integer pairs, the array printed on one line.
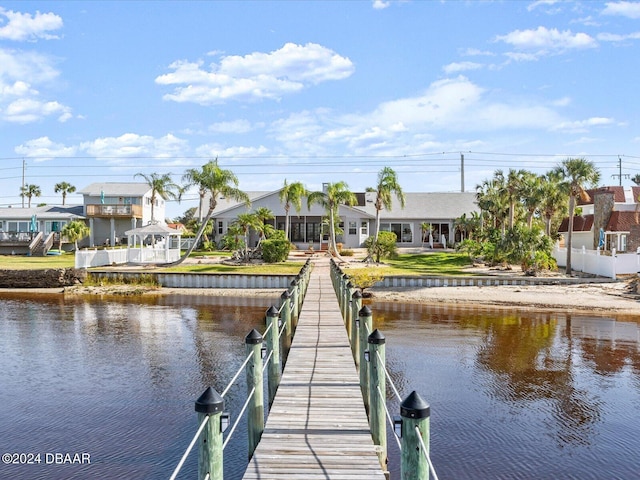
[[353, 229], [220, 228], [403, 231]]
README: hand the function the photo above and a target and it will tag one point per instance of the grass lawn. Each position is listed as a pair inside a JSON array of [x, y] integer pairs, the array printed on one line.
[[285, 268], [441, 263], [21, 262]]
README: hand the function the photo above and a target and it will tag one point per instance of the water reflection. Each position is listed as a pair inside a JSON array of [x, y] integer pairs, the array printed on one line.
[[515, 388]]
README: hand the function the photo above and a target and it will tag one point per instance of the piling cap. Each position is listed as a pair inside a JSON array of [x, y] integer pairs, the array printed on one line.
[[210, 402], [376, 337], [294, 282], [414, 407], [349, 284], [253, 338], [365, 311], [344, 275], [285, 295], [357, 294], [272, 312]]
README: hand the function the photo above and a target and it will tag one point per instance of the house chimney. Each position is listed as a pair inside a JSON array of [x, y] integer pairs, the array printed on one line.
[[603, 204]]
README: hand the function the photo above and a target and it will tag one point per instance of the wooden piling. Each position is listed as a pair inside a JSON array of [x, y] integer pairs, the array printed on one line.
[[365, 328], [415, 412], [255, 410], [377, 387], [273, 347], [210, 460]]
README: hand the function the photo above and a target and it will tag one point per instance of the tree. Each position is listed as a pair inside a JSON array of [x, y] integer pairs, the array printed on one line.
[[336, 194], [245, 222], [161, 186], [291, 195], [636, 179], [576, 174], [264, 229], [386, 187], [30, 191], [216, 182], [64, 188], [73, 232], [554, 199]]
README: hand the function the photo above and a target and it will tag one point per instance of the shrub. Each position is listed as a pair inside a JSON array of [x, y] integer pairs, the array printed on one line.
[[385, 247], [347, 252], [275, 250], [365, 278]]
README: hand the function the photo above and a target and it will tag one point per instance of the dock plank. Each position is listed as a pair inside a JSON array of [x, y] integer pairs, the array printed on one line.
[[317, 427]]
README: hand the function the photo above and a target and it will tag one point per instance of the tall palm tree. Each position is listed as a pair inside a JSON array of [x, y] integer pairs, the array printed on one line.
[[216, 182], [161, 186], [74, 231], [532, 194], [386, 187], [64, 188], [291, 195], [246, 222], [336, 194], [554, 199], [576, 174], [263, 214], [512, 191], [30, 191]]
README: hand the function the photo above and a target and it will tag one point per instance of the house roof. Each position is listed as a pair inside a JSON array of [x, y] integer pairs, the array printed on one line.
[[622, 221], [581, 223], [46, 212], [618, 194], [119, 189], [423, 206]]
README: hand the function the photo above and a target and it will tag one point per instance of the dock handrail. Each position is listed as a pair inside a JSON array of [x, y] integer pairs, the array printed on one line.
[[412, 428], [210, 404]]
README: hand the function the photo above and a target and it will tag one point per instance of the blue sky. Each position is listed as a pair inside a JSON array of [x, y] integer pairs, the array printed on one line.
[[315, 91]]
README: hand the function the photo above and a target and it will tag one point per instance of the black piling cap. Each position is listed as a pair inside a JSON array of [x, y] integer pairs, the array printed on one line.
[[210, 402], [376, 338], [253, 338], [414, 407], [294, 282], [272, 312], [364, 312], [349, 284], [345, 276], [285, 295], [357, 294]]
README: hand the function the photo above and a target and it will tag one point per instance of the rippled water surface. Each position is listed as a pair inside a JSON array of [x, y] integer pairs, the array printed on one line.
[[519, 395], [513, 395]]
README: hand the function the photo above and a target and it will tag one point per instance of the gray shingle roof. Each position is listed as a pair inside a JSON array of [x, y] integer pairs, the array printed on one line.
[[54, 212], [120, 189]]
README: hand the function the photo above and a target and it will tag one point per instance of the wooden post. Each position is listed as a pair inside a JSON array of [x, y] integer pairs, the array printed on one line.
[[285, 314], [356, 305], [365, 329], [210, 404], [377, 385], [415, 412], [347, 305], [255, 412], [273, 345], [343, 295], [294, 299]]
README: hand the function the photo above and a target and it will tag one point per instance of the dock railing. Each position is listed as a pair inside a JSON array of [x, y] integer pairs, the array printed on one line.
[[213, 421], [412, 427]]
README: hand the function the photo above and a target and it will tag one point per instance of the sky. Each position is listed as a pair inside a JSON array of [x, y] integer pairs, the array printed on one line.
[[314, 91]]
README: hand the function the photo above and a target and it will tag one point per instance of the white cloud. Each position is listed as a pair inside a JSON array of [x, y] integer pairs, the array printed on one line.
[[44, 149], [255, 76], [236, 126], [474, 52], [580, 126], [544, 39], [217, 150], [538, 3], [380, 4], [28, 110], [457, 67], [24, 26], [625, 9], [132, 145], [561, 102], [615, 37]]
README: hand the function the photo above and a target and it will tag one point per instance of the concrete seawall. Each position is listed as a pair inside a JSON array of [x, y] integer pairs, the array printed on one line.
[[205, 280]]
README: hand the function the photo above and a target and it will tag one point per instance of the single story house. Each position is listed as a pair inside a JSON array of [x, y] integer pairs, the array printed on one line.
[[357, 222]]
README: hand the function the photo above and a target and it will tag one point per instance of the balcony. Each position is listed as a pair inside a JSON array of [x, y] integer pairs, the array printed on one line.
[[114, 211]]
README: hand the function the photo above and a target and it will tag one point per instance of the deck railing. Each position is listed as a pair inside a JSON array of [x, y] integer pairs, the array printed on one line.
[[114, 210], [412, 427], [212, 420]]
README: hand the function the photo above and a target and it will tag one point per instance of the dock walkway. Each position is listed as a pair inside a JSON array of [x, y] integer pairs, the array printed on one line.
[[317, 427]]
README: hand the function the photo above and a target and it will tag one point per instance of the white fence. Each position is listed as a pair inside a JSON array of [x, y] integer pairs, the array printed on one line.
[[595, 263], [119, 256]]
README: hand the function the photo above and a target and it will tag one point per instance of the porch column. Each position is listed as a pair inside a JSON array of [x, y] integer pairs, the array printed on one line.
[[305, 229], [112, 232], [91, 237]]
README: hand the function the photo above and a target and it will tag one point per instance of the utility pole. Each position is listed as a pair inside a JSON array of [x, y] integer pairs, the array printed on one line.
[[620, 175], [24, 162], [462, 172]]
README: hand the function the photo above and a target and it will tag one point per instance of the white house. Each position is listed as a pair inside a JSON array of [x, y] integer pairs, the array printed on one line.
[[357, 222]]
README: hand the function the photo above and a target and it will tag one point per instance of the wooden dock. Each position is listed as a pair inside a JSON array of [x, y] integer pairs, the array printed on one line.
[[317, 427]]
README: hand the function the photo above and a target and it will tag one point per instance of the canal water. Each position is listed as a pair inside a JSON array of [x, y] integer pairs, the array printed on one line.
[[513, 395]]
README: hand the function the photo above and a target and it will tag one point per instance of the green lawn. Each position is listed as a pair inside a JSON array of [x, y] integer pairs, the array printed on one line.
[[285, 268], [441, 263], [21, 262]]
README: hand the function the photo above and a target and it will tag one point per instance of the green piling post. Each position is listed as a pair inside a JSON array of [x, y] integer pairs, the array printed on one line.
[[294, 298], [273, 345], [356, 305], [415, 412], [348, 292], [377, 384], [255, 410], [365, 329], [210, 404], [285, 314]]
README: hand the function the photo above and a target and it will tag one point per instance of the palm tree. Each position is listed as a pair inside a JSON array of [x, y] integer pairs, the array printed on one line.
[[161, 186], [636, 179], [64, 188], [532, 194], [74, 231], [263, 214], [512, 190], [245, 222], [30, 191], [291, 194], [336, 194], [554, 199], [576, 174], [387, 186], [216, 182]]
